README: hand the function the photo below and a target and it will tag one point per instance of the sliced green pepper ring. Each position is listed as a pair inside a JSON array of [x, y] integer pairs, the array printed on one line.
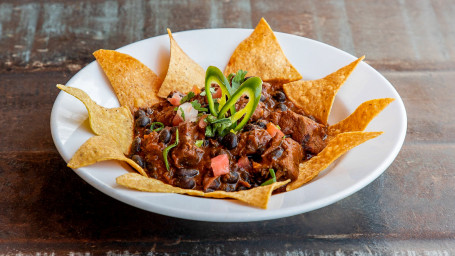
[[214, 75], [252, 87]]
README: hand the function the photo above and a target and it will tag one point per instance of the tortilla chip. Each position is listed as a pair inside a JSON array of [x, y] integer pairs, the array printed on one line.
[[261, 55], [361, 117], [134, 83], [183, 73], [258, 196], [115, 123], [97, 149], [316, 96], [336, 147]]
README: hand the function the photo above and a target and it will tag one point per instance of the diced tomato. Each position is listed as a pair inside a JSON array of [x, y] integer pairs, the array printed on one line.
[[177, 120], [220, 165], [175, 99], [244, 162], [196, 90], [273, 130], [217, 94]]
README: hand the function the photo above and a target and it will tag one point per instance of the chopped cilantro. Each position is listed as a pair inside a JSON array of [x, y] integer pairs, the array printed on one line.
[[196, 105], [199, 143], [187, 97], [212, 90], [209, 132], [237, 80]]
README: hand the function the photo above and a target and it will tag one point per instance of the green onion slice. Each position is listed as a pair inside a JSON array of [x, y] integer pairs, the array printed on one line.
[[156, 126], [166, 150], [272, 180]]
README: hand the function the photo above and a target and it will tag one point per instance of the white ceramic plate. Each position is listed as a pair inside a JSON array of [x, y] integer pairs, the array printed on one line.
[[312, 59]]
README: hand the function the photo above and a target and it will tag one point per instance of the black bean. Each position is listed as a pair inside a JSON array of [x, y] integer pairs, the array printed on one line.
[[139, 113], [186, 172], [187, 183], [279, 96], [282, 107], [262, 98], [165, 136], [214, 185], [142, 121], [230, 141], [231, 177], [256, 158], [248, 127], [136, 145], [262, 123], [277, 153], [138, 160]]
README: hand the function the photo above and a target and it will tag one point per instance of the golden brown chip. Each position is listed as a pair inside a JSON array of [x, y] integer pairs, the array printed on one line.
[[316, 96], [361, 117], [134, 83], [115, 123], [258, 196], [97, 149], [183, 73], [261, 55], [336, 147]]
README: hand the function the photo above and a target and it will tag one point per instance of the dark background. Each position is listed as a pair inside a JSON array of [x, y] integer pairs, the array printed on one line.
[[46, 208]]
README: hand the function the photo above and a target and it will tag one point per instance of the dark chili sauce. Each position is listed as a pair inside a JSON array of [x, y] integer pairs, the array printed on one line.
[[249, 159]]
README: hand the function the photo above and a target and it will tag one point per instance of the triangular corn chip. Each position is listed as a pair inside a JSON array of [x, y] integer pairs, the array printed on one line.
[[261, 55], [97, 149], [361, 117], [316, 96], [258, 196], [135, 84], [115, 123], [336, 147], [183, 73]]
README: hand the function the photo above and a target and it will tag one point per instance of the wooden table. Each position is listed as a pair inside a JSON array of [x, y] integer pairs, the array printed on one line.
[[45, 208]]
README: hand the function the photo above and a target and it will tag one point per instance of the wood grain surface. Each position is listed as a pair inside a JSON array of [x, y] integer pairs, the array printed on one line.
[[46, 209]]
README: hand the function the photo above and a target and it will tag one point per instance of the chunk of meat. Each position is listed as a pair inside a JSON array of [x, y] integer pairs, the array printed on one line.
[[289, 159], [164, 113], [252, 142], [261, 110], [310, 134], [187, 154]]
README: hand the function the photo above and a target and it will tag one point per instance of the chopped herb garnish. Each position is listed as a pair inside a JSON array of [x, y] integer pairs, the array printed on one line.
[[237, 80], [187, 97], [272, 180], [212, 90], [156, 126], [166, 150], [199, 143], [277, 126], [209, 132], [196, 105]]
